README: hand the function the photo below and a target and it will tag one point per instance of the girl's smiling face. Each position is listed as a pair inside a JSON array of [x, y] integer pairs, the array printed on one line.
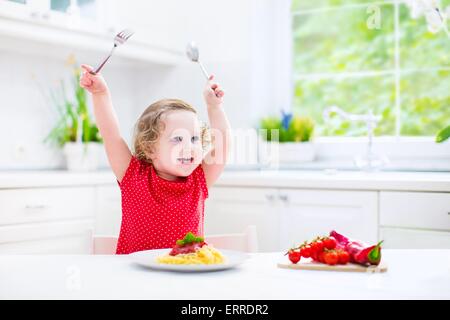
[[179, 148]]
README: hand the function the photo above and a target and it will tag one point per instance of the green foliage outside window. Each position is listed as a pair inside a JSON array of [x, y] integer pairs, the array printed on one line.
[[342, 58]]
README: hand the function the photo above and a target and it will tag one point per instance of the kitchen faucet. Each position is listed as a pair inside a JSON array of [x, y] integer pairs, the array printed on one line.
[[370, 161]]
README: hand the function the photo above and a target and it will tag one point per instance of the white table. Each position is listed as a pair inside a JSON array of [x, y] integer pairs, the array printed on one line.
[[412, 274]]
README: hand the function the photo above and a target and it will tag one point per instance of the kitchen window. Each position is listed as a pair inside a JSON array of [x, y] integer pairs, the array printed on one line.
[[361, 55]]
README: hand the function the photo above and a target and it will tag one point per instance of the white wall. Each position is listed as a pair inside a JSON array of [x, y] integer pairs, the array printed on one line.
[[238, 42], [244, 44], [26, 116]]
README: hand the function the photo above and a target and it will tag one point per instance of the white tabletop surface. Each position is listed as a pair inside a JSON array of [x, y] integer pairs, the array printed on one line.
[[412, 274]]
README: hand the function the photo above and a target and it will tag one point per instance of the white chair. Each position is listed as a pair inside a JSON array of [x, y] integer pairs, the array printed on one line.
[[246, 241], [104, 244]]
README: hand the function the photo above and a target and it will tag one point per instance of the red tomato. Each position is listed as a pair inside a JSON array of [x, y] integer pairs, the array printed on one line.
[[294, 256], [319, 245], [344, 257], [306, 251], [313, 247], [331, 258], [329, 243], [321, 256]]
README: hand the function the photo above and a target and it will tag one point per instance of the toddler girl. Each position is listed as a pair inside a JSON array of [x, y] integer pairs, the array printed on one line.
[[165, 181]]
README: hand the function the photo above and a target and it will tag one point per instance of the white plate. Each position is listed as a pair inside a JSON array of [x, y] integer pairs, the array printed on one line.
[[147, 258]]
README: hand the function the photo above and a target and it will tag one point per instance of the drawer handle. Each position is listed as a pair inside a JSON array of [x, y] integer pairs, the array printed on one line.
[[36, 207]]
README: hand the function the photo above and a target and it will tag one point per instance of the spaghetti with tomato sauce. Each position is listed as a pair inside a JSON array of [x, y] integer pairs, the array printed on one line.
[[188, 251]]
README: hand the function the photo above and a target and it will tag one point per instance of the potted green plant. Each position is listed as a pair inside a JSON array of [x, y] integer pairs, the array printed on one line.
[[75, 132], [288, 139]]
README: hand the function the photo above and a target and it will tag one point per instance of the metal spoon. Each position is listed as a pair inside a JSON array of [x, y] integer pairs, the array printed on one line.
[[194, 55]]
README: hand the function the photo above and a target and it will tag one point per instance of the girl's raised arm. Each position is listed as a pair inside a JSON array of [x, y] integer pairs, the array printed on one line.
[[215, 161], [119, 155]]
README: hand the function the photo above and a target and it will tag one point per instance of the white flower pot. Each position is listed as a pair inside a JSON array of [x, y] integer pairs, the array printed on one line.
[[82, 156], [274, 153], [292, 152]]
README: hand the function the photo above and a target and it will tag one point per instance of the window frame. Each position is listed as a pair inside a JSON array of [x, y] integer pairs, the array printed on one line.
[[394, 147]]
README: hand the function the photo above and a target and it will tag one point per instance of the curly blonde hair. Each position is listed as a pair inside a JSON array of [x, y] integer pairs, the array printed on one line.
[[150, 125]]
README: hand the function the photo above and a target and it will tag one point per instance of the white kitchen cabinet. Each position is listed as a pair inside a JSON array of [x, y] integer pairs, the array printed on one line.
[[231, 210], [31, 205], [92, 14], [419, 210], [63, 237], [285, 217], [306, 214], [57, 212], [397, 238], [39, 27], [415, 219], [108, 214], [47, 220]]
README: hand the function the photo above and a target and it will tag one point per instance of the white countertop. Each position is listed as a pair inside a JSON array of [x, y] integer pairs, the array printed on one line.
[[54, 178], [412, 274], [351, 180]]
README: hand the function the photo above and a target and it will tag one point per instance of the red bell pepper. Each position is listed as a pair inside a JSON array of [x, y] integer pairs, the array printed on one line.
[[341, 240], [359, 252], [374, 254]]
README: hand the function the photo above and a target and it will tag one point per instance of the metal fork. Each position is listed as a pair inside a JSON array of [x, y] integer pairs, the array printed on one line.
[[119, 39]]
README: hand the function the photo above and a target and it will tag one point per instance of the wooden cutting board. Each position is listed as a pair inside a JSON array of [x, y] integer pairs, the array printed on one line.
[[349, 267]]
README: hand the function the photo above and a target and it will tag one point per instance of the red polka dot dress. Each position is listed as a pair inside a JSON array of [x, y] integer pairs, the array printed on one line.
[[157, 212]]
